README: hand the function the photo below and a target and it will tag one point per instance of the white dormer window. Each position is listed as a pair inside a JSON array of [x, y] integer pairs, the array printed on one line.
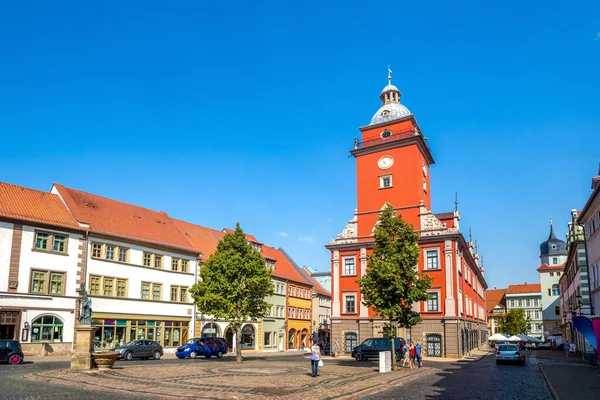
[[424, 185], [424, 169]]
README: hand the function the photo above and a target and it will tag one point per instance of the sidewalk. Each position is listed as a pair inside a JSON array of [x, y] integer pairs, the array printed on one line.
[[572, 381], [559, 355]]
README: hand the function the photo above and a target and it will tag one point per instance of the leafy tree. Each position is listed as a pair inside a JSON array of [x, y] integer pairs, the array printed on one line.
[[392, 283], [514, 322], [234, 283]]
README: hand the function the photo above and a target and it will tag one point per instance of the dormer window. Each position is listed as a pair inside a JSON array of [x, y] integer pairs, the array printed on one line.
[[386, 133]]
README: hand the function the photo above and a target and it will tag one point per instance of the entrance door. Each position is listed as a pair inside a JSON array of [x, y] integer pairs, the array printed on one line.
[[434, 345], [229, 339], [8, 324]]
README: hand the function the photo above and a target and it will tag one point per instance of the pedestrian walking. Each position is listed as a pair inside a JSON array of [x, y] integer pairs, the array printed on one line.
[[315, 357], [406, 353], [418, 354], [567, 348], [411, 352]]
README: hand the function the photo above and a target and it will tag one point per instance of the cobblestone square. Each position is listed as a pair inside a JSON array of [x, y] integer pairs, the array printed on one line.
[[284, 377]]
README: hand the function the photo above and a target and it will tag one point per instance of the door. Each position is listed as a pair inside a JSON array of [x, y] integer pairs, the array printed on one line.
[[434, 345], [139, 350], [369, 347]]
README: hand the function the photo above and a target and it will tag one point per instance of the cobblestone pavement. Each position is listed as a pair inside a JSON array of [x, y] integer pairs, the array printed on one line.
[[266, 378], [475, 380]]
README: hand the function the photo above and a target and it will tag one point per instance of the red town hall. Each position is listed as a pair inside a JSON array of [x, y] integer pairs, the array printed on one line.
[[393, 166]]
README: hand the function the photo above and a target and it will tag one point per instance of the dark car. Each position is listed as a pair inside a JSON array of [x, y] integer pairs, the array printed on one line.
[[371, 347], [140, 349], [204, 346], [10, 351]]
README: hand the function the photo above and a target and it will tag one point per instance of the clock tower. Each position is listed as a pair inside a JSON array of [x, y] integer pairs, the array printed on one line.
[[392, 164], [392, 167]]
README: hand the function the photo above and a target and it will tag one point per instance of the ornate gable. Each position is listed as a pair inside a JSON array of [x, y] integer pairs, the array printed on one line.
[[349, 234]]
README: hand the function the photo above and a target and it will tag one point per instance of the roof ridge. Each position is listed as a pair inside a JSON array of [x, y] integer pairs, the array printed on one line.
[[115, 200], [192, 223], [26, 188]]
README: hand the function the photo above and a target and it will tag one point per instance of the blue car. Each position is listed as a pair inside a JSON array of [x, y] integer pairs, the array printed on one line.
[[204, 346]]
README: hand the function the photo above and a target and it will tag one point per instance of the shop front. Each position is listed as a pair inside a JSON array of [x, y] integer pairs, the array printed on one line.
[[115, 330]]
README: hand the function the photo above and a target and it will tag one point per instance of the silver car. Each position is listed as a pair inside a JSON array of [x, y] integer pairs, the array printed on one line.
[[509, 353]]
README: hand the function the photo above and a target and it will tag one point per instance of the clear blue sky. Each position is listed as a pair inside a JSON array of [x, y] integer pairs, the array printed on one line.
[[246, 111]]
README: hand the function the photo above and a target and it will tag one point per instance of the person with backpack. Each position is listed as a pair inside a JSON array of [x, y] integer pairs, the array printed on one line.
[[315, 359]]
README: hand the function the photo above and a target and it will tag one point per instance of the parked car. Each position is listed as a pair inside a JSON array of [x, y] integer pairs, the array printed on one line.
[[204, 346], [140, 349], [371, 347], [509, 353], [10, 351]]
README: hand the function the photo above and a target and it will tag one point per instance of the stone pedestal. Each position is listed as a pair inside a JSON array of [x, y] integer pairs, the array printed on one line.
[[385, 361], [82, 356]]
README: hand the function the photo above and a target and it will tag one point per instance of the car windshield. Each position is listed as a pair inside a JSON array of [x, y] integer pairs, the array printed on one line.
[[507, 347], [191, 341]]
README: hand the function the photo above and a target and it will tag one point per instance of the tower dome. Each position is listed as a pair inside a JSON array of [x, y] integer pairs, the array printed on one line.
[[553, 246], [391, 108]]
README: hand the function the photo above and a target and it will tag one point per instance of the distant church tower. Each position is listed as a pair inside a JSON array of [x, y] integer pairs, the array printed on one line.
[[553, 251]]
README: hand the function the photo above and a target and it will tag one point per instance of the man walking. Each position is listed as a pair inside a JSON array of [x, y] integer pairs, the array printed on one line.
[[567, 348], [418, 353]]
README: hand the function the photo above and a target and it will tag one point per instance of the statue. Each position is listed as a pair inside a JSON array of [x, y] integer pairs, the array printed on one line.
[[86, 307], [356, 143]]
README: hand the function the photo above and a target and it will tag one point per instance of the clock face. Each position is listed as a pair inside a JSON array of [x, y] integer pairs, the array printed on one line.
[[385, 162]]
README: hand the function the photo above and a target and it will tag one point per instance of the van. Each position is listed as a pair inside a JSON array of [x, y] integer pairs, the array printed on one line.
[[371, 347]]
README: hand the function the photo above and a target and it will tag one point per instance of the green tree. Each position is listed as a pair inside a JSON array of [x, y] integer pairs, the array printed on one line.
[[392, 282], [514, 322], [234, 283]]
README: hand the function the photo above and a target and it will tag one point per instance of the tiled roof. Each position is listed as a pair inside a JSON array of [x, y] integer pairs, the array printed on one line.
[[316, 285], [283, 266], [123, 220], [248, 236], [524, 288], [204, 240], [494, 297], [34, 206], [546, 267]]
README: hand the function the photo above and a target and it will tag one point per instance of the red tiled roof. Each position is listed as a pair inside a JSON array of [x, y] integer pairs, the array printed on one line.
[[494, 297], [115, 218], [34, 206], [204, 240], [524, 288], [546, 267], [283, 266], [316, 285], [248, 236]]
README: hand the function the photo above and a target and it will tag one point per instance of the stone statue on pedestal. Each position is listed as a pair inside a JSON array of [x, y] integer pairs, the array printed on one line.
[[86, 307]]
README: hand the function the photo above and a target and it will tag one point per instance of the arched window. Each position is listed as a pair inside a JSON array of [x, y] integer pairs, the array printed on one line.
[[248, 337], [291, 336], [305, 338], [434, 345], [211, 329], [351, 341], [555, 290], [46, 328]]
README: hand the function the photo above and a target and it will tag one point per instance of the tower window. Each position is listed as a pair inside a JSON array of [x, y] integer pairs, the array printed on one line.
[[386, 134], [554, 260], [424, 185], [385, 181]]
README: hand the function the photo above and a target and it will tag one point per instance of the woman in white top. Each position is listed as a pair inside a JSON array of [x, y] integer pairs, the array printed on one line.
[[315, 357]]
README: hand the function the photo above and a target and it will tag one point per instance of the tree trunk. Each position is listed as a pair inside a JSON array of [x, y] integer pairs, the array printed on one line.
[[238, 344], [393, 335]]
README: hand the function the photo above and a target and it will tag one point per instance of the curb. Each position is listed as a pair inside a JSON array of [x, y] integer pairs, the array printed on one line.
[[552, 390]]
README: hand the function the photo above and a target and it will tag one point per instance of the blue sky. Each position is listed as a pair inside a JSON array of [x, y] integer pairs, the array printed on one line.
[[246, 111]]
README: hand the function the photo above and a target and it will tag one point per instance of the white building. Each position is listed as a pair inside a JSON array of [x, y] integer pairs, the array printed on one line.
[[139, 269], [529, 298], [553, 255], [321, 306], [41, 270]]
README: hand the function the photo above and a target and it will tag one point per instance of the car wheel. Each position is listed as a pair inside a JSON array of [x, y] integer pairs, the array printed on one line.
[[157, 355], [220, 354], [14, 359], [359, 357], [193, 354], [128, 356], [497, 362]]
